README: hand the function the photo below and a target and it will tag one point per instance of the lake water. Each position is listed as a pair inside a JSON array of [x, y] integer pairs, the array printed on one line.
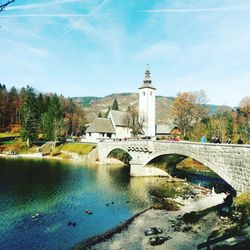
[[60, 193]]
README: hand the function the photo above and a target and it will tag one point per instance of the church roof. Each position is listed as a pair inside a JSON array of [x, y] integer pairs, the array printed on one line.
[[147, 82], [101, 125], [119, 117], [164, 128]]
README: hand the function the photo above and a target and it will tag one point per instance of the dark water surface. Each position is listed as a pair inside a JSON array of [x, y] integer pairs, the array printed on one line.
[[61, 192]]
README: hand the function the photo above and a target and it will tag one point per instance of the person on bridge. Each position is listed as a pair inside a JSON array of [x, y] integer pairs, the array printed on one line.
[[217, 140], [203, 139], [240, 141]]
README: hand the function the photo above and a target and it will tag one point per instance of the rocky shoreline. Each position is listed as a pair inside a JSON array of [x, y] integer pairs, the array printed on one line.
[[130, 234], [85, 244]]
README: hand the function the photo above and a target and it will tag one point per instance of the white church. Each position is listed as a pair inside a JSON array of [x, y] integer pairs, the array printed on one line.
[[115, 126]]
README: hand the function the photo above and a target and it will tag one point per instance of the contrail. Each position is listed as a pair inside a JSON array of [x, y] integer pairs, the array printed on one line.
[[77, 22], [47, 15], [219, 9], [40, 5]]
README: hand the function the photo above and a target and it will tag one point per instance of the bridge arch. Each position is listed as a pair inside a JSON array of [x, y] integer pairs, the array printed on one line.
[[210, 165], [120, 154]]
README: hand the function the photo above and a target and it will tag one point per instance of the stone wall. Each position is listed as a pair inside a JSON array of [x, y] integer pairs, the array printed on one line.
[[230, 161]]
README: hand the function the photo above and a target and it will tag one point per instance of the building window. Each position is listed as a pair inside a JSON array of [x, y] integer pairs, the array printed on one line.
[[143, 93], [89, 134], [151, 93], [103, 134]]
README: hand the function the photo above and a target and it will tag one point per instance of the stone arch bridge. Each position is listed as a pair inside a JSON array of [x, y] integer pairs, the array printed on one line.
[[230, 161]]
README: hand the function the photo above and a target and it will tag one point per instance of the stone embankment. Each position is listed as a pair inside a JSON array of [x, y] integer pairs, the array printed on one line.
[[90, 157]]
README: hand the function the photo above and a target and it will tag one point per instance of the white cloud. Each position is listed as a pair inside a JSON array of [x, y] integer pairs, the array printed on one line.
[[158, 50]]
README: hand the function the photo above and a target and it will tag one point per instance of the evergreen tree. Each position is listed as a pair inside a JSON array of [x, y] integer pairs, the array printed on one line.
[[115, 105], [41, 110], [53, 120], [29, 117], [13, 107], [3, 106], [100, 114], [107, 113]]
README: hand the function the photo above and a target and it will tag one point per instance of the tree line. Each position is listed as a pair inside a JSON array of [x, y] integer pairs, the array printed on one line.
[[194, 121], [36, 115], [52, 117], [191, 116]]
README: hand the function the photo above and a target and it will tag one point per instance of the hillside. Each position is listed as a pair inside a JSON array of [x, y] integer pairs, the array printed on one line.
[[94, 105]]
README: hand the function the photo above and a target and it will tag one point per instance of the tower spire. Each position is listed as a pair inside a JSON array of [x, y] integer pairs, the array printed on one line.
[[147, 78], [147, 82]]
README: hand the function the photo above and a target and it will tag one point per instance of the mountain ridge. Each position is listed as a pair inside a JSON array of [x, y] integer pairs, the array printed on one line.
[[94, 105]]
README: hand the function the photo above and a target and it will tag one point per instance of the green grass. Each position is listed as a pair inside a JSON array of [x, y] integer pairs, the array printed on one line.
[[164, 193], [242, 202], [169, 190], [167, 204], [7, 135], [16, 145], [78, 148]]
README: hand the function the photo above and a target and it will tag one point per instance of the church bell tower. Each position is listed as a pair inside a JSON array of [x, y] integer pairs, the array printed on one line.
[[147, 105]]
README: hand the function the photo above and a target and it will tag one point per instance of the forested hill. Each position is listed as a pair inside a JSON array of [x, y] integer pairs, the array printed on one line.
[[95, 105]]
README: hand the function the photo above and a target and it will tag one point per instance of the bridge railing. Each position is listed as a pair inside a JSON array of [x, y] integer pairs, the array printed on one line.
[[134, 141]]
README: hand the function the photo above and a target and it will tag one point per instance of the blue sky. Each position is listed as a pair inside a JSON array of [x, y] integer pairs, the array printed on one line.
[[100, 47]]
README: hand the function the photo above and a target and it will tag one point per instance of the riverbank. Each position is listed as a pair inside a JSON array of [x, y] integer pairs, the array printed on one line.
[[181, 235]]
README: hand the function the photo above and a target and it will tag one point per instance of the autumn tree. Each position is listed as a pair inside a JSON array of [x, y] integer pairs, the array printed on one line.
[[244, 118], [245, 105], [14, 106], [74, 116], [3, 106], [188, 109]]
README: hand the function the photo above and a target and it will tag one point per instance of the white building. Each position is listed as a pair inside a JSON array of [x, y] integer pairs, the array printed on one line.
[[147, 106], [120, 121], [116, 125], [99, 129]]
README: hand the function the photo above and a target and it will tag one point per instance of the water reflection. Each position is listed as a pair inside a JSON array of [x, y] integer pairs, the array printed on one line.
[[60, 192]]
